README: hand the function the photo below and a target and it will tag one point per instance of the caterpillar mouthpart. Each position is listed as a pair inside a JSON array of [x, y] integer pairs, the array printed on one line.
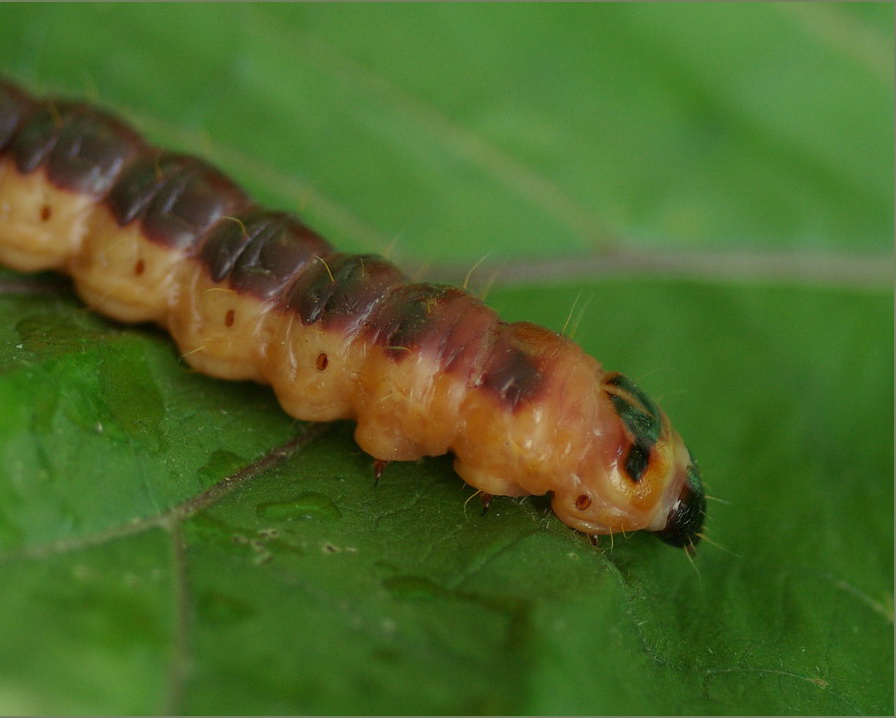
[[685, 523]]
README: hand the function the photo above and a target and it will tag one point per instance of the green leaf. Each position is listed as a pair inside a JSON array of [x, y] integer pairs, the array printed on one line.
[[705, 190]]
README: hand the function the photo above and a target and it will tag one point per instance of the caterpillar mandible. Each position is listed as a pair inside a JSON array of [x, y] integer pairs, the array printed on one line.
[[251, 294]]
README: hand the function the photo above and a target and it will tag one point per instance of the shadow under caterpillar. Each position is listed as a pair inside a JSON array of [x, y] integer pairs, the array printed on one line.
[[252, 294]]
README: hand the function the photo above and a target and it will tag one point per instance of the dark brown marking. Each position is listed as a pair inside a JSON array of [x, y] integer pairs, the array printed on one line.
[[323, 361], [260, 252], [37, 134], [468, 324], [139, 267], [14, 105], [510, 371], [140, 182], [583, 502], [224, 244], [229, 318], [91, 152], [341, 290], [406, 316], [439, 321], [187, 205], [46, 212], [83, 149], [178, 198]]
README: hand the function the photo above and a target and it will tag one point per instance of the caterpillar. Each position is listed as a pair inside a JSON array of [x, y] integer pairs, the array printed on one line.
[[251, 294]]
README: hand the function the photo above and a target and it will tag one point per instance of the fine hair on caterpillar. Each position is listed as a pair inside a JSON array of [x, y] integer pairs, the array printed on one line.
[[252, 294]]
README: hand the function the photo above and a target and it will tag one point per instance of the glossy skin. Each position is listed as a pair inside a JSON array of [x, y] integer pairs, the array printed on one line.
[[246, 293]]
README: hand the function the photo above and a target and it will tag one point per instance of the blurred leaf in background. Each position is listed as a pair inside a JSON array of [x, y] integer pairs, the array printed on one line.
[[707, 189]]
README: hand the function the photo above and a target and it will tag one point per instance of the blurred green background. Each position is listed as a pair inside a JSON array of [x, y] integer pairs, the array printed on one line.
[[707, 188]]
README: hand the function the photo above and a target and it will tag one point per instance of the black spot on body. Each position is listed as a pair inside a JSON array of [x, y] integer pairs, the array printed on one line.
[[643, 421], [636, 461]]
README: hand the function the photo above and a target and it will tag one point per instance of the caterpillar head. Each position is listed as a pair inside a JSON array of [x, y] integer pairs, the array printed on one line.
[[639, 475]]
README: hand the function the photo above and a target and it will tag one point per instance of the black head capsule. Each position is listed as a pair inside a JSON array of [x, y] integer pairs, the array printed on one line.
[[687, 514]]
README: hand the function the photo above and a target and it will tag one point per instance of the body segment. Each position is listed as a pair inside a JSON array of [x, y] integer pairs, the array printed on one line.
[[247, 293]]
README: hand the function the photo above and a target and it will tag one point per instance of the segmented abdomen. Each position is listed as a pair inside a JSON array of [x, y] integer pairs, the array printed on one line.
[[252, 294]]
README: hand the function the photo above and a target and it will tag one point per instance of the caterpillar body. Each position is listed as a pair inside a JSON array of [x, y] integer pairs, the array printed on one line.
[[251, 294]]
